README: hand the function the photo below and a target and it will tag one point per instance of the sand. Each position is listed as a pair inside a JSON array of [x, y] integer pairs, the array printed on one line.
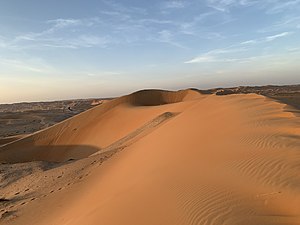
[[158, 157], [6, 140]]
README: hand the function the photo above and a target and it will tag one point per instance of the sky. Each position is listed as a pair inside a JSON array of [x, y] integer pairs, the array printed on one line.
[[63, 49]]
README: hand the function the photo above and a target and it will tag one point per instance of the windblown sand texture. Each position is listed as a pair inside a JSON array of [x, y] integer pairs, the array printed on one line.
[[158, 157]]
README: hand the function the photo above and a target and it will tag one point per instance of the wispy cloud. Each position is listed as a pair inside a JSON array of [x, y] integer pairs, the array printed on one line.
[[217, 55], [27, 65], [62, 23], [190, 27], [249, 42], [59, 34], [117, 24], [87, 41], [228, 54], [202, 59], [54, 26], [277, 6], [118, 7], [290, 22], [225, 5], [269, 6], [82, 41], [276, 36], [118, 27], [266, 39], [174, 4], [225, 54], [166, 36]]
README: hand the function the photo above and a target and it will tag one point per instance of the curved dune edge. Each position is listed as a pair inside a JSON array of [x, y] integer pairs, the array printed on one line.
[[160, 158], [7, 140], [71, 139]]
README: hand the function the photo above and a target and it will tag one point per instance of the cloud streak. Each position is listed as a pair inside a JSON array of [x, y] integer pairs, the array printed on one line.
[[221, 55], [277, 6], [267, 39], [32, 65], [174, 4], [269, 6], [226, 5], [217, 55], [274, 37]]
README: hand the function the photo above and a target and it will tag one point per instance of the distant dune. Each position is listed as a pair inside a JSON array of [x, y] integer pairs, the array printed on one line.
[[158, 157]]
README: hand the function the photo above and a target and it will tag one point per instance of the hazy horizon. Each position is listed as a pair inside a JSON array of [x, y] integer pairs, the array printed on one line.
[[130, 92], [57, 50]]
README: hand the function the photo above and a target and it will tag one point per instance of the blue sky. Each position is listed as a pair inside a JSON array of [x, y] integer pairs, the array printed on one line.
[[62, 49]]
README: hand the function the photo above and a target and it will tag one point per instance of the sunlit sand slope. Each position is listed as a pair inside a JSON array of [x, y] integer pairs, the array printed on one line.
[[159, 157]]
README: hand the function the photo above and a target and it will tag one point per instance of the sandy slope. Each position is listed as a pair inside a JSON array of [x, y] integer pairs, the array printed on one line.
[[6, 140], [157, 157]]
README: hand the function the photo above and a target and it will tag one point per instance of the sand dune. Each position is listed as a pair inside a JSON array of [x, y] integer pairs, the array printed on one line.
[[158, 157], [6, 140]]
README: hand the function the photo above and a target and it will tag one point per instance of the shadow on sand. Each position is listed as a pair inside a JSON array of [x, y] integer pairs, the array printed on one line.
[[51, 153]]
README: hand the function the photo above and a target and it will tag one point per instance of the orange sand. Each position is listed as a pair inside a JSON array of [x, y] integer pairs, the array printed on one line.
[[159, 157]]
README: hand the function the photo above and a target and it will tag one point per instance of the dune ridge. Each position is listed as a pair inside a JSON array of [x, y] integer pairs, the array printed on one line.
[[159, 157], [65, 133]]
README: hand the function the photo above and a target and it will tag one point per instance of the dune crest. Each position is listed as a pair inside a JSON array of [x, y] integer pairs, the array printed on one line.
[[159, 157], [84, 130]]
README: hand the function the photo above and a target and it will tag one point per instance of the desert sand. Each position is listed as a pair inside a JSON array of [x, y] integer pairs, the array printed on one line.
[[158, 157]]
